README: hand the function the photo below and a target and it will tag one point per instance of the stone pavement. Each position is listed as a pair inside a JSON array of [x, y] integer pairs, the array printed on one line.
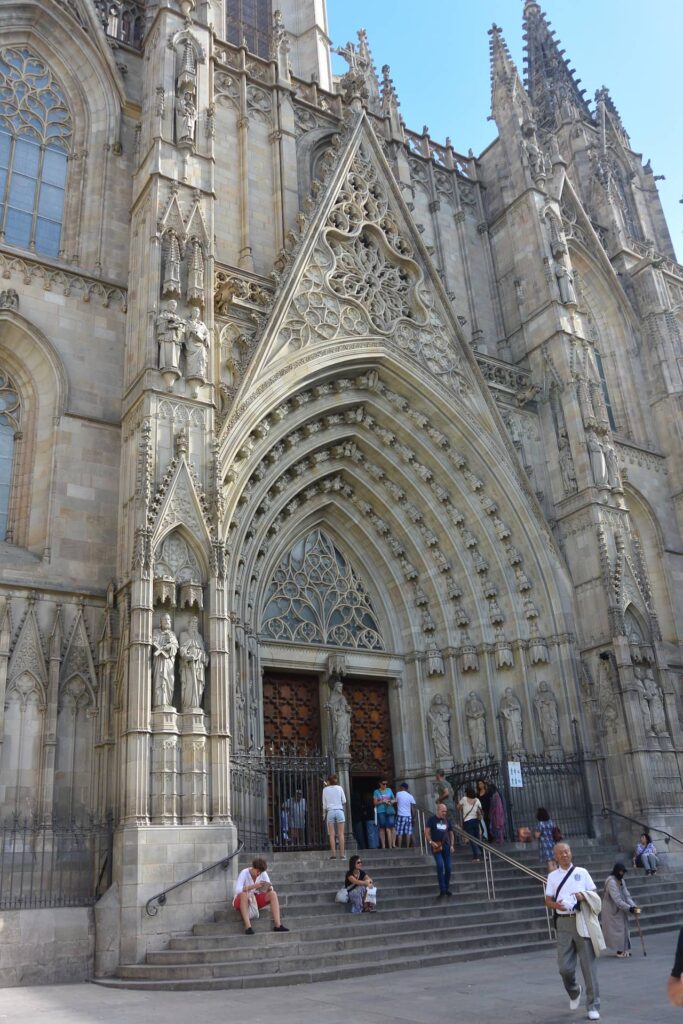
[[523, 989]]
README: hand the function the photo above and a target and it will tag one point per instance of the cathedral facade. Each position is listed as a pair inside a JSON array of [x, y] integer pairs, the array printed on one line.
[[317, 434]]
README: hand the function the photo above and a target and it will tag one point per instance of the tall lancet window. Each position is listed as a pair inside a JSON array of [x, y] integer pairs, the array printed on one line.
[[10, 412], [35, 134], [250, 21]]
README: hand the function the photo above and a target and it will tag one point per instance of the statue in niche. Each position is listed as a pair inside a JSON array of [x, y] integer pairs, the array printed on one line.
[[652, 703], [475, 713], [439, 718], [548, 717], [196, 347], [597, 457], [240, 715], [511, 711], [565, 282], [340, 716], [171, 282], [533, 154], [165, 644], [170, 331], [185, 118], [195, 274], [612, 466], [567, 471], [193, 662]]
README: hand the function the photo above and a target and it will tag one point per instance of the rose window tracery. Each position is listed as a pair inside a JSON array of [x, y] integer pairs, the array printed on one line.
[[363, 272]]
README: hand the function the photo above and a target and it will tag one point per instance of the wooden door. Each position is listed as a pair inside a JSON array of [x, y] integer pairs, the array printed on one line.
[[291, 713], [372, 752]]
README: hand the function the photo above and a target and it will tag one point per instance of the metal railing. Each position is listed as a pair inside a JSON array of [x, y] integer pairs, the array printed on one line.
[[488, 851], [610, 812], [54, 863], [160, 897]]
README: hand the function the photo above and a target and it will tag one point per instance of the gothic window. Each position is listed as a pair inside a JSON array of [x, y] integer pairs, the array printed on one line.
[[250, 21], [35, 133], [315, 597], [605, 391], [10, 410]]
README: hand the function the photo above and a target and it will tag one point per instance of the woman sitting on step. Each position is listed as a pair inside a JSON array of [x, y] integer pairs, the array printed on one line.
[[358, 883]]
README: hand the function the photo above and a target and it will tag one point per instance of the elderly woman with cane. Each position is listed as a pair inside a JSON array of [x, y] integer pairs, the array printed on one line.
[[617, 906]]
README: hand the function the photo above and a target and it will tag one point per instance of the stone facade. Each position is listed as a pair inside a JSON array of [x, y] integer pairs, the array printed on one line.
[[278, 317]]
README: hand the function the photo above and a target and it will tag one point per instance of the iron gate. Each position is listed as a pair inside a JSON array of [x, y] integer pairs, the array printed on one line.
[[277, 800]]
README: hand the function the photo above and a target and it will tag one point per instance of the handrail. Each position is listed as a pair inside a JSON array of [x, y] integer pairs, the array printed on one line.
[[646, 828], [160, 897], [488, 849]]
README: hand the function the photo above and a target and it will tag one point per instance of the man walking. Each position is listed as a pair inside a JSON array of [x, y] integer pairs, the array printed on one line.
[[564, 892], [441, 839]]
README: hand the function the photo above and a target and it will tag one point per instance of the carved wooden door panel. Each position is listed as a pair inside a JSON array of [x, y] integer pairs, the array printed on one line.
[[291, 713], [372, 750]]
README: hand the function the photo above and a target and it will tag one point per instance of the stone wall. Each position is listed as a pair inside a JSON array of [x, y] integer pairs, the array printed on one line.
[[46, 947]]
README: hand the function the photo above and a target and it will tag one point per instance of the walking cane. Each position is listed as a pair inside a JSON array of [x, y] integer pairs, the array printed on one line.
[[642, 940]]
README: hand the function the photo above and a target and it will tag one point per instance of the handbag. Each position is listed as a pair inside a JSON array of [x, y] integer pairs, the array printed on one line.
[[437, 847], [371, 895], [252, 907], [342, 895]]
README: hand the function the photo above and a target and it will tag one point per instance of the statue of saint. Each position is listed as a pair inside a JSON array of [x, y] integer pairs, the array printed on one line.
[[165, 644], [511, 710], [475, 714], [548, 718], [652, 702], [196, 347], [612, 464], [597, 457], [193, 662], [195, 273], [340, 716], [439, 717], [565, 282], [185, 118], [567, 471], [171, 282], [170, 331]]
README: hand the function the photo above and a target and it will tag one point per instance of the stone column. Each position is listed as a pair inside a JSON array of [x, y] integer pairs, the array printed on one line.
[[193, 768], [219, 690], [137, 724], [165, 802], [50, 734]]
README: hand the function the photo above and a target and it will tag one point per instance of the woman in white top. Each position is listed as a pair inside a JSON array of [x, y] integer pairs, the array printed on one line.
[[470, 809], [334, 801]]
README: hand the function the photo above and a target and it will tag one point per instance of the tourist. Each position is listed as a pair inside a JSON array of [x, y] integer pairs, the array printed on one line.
[[496, 824], [565, 890], [441, 841], [443, 791], [675, 985], [545, 828], [254, 891], [471, 812], [334, 801], [617, 904], [385, 808], [646, 854], [296, 813], [357, 883], [405, 809]]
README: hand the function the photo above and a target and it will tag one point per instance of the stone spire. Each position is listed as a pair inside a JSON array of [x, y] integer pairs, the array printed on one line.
[[360, 81], [551, 83], [389, 99], [603, 99], [506, 85]]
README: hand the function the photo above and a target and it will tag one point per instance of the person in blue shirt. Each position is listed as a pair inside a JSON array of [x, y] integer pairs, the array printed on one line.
[[441, 840]]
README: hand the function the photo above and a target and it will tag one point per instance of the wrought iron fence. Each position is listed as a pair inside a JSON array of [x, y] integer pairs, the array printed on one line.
[[54, 863], [277, 800]]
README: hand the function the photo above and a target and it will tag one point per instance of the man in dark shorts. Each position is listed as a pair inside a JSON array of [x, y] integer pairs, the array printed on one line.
[[441, 840], [675, 986]]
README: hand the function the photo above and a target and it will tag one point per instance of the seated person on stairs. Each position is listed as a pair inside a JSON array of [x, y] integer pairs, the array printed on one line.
[[253, 885]]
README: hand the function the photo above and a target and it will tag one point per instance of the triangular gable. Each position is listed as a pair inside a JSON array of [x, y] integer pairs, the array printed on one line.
[[27, 655], [181, 506], [78, 660], [362, 272]]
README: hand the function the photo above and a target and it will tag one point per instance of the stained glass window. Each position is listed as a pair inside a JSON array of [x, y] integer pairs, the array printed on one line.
[[35, 134], [250, 21]]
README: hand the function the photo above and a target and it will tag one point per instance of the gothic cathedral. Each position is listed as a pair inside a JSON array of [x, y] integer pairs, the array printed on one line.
[[319, 438]]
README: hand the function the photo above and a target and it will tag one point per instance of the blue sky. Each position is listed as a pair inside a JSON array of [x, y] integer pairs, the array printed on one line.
[[438, 53]]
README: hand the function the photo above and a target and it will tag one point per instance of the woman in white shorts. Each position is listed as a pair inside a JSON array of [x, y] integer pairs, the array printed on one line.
[[334, 801]]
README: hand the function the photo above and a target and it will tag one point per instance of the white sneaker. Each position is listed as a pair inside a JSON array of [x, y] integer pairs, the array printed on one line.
[[574, 1003], [594, 1015]]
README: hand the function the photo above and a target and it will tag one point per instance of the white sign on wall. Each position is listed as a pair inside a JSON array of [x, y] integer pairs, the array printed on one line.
[[515, 774]]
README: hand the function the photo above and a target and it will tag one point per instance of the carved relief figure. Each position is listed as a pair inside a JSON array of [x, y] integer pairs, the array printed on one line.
[[548, 718], [597, 457], [165, 648], [196, 347], [340, 716], [439, 717], [193, 662], [511, 711], [170, 331], [475, 713]]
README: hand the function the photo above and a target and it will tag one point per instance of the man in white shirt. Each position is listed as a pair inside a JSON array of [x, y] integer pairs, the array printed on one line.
[[405, 805], [564, 893], [254, 883]]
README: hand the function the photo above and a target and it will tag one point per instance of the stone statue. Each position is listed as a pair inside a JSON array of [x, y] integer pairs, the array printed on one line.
[[196, 347], [185, 118], [567, 471], [565, 282], [475, 713], [439, 717], [654, 714], [533, 154], [195, 273], [171, 282], [240, 716], [511, 710], [165, 644], [612, 466], [597, 457], [170, 331], [340, 716], [548, 718], [193, 662]]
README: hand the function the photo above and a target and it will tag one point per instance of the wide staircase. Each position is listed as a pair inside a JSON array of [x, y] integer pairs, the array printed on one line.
[[411, 927]]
